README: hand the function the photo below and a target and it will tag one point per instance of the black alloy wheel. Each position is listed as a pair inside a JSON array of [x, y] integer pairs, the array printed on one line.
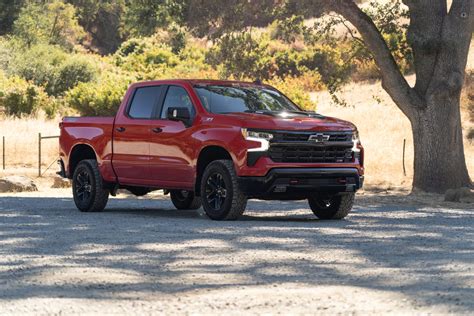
[[216, 191]]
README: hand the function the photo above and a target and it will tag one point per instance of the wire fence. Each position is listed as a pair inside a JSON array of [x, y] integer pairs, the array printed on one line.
[[39, 153], [40, 156]]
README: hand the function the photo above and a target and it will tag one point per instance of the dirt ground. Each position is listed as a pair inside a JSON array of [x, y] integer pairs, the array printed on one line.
[[395, 254]]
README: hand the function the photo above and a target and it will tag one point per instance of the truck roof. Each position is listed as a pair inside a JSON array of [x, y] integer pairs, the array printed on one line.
[[199, 82]]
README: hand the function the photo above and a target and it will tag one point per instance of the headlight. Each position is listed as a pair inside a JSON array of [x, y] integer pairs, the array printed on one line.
[[262, 137], [355, 141], [256, 134], [355, 136]]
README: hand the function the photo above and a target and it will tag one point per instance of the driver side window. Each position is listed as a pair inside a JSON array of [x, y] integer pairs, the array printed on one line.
[[177, 97]]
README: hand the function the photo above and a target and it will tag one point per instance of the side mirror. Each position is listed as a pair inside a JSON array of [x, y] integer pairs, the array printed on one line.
[[179, 114]]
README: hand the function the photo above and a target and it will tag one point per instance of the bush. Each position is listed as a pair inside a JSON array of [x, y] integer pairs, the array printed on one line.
[[102, 98], [329, 62], [19, 97], [145, 55], [52, 68], [291, 87]]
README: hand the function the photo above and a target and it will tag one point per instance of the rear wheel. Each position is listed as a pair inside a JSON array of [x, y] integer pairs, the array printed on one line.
[[220, 193], [185, 200], [331, 206], [89, 194]]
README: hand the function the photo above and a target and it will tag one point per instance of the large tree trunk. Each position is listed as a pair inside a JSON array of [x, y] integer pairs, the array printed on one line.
[[440, 42], [439, 152]]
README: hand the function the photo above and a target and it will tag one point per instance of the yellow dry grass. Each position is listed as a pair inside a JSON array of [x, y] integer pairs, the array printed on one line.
[[21, 141]]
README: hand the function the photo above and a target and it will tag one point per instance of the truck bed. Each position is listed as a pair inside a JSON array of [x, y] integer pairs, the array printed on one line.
[[93, 131]]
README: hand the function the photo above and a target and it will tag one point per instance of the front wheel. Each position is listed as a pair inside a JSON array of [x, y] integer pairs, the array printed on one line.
[[220, 192], [331, 206], [89, 194], [185, 200]]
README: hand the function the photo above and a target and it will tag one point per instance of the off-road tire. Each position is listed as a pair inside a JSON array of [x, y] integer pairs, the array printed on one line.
[[338, 207], [188, 201], [98, 196], [234, 202]]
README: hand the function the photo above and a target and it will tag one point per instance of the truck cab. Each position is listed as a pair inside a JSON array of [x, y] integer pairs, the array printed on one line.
[[213, 144]]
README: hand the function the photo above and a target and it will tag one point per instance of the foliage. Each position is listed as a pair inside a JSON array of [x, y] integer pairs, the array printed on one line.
[[52, 68], [102, 98], [54, 23], [103, 22], [19, 97], [291, 87], [9, 11], [289, 29], [239, 55], [143, 18], [53, 43], [390, 18]]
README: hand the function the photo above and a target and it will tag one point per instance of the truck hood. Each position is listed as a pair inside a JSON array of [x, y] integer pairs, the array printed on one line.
[[291, 122]]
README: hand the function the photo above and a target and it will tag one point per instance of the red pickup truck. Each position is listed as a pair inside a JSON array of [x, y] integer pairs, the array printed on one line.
[[213, 144]]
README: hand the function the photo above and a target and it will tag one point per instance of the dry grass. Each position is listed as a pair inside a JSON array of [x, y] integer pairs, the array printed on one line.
[[21, 141]]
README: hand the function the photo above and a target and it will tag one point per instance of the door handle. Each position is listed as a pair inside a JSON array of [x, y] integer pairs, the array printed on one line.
[[157, 130], [120, 129]]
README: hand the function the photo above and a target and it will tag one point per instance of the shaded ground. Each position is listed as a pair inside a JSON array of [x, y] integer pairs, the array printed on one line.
[[394, 254]]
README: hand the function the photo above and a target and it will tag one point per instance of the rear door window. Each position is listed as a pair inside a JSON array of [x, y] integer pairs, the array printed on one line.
[[145, 102]]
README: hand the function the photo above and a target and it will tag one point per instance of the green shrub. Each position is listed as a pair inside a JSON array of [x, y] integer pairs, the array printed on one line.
[[50, 67], [291, 87], [329, 62], [19, 97], [144, 55], [101, 98]]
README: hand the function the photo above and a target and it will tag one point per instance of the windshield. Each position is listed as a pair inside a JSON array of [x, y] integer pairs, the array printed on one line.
[[231, 99]]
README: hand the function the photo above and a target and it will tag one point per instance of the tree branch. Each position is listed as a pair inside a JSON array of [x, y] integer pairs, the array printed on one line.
[[342, 21], [392, 79]]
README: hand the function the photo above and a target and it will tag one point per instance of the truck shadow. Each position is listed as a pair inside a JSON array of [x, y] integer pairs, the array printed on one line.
[[411, 249]]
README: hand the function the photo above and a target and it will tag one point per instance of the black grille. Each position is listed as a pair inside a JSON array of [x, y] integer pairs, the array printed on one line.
[[297, 148]]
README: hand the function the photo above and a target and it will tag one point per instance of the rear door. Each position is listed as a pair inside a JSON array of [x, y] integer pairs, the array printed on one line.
[[132, 132]]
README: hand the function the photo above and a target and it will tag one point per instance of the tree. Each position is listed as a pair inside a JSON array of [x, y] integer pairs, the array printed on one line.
[[103, 22], [9, 11], [439, 37], [143, 17], [53, 23]]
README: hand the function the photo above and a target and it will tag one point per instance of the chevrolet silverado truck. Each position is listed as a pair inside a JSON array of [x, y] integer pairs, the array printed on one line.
[[213, 144]]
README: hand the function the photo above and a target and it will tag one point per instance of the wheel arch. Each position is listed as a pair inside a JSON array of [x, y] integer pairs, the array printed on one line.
[[207, 155], [80, 152]]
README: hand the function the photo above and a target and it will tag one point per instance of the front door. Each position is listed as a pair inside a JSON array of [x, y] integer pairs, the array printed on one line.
[[172, 146], [132, 137]]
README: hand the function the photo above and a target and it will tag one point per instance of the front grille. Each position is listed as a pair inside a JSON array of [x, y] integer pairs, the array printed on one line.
[[304, 136], [298, 148]]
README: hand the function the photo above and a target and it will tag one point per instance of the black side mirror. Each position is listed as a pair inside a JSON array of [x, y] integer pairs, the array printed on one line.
[[179, 114]]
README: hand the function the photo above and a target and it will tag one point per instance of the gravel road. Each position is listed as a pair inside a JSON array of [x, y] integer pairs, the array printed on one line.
[[393, 255]]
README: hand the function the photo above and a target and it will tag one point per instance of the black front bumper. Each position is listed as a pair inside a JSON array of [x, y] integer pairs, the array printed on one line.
[[293, 183]]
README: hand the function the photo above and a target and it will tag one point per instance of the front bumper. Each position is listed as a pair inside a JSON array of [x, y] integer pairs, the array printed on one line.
[[293, 183]]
